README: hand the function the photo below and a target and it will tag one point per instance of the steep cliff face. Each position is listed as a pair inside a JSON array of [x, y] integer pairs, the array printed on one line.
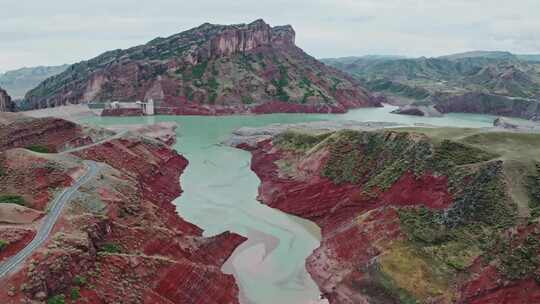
[[120, 240], [209, 70], [409, 218], [6, 105]]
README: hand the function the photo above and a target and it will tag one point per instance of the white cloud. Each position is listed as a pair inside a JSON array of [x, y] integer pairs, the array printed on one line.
[[59, 31]]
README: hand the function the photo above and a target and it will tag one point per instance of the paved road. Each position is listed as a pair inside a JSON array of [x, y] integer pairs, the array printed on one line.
[[116, 136], [51, 218]]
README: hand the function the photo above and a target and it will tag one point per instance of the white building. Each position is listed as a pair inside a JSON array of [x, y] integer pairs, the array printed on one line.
[[147, 108]]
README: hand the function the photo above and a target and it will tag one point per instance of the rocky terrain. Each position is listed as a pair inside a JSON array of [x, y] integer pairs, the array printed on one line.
[[120, 239], [18, 82], [497, 83], [425, 215], [209, 70], [6, 104]]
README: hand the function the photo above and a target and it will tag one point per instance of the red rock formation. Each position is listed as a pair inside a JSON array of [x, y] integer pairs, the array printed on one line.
[[52, 133], [364, 238]]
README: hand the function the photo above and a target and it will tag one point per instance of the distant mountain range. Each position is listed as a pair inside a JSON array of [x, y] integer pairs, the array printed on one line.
[[211, 69], [499, 83], [18, 82]]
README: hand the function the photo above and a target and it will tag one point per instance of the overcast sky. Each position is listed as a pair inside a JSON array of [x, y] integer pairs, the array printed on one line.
[[51, 32]]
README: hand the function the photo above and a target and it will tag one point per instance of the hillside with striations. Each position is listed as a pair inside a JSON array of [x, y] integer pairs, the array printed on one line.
[[211, 69]]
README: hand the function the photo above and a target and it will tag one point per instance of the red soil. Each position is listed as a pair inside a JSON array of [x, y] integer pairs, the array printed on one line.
[[30, 177], [16, 238]]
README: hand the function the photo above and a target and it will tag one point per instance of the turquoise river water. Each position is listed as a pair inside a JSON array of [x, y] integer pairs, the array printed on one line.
[[220, 195]]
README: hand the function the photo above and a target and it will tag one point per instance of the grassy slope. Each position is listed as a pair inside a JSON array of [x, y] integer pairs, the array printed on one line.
[[519, 151]]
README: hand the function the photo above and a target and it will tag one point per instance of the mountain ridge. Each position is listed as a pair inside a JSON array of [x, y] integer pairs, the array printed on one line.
[[499, 83], [242, 68]]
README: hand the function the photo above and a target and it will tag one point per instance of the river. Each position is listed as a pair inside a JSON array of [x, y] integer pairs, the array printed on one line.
[[220, 195]]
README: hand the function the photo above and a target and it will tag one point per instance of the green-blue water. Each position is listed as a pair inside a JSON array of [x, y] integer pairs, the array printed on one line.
[[220, 195]]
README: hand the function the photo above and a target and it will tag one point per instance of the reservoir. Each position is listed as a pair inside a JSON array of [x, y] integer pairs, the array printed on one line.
[[220, 194]]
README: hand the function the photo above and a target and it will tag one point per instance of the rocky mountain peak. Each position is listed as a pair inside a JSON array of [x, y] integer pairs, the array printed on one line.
[[244, 38]]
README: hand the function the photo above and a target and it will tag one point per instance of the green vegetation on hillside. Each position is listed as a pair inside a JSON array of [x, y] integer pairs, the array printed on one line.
[[3, 245], [409, 91], [57, 299], [282, 83], [533, 187], [39, 149], [299, 141], [522, 260], [79, 280], [75, 293], [376, 159], [110, 248], [12, 199], [198, 70], [455, 153]]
